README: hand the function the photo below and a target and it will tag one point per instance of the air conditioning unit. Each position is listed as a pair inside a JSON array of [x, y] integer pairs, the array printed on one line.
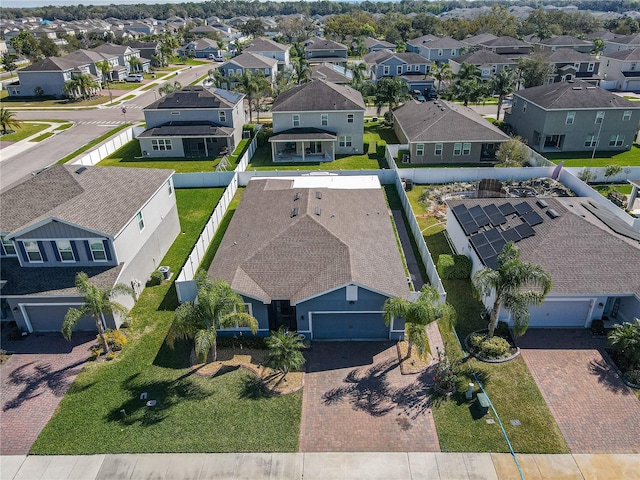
[[406, 158]]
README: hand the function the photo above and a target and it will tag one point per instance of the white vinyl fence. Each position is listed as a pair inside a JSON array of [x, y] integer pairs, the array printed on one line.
[[108, 147]]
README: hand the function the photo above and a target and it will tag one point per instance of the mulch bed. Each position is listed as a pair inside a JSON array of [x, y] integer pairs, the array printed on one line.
[[415, 363]]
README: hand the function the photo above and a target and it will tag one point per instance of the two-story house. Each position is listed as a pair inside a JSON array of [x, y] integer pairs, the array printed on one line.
[[147, 49], [114, 224], [441, 132], [248, 62], [194, 122], [375, 45], [573, 117], [316, 121], [201, 48], [571, 64], [95, 59], [620, 43], [125, 54], [487, 62], [621, 70], [270, 49], [562, 41], [506, 46], [321, 50], [411, 67], [438, 50]]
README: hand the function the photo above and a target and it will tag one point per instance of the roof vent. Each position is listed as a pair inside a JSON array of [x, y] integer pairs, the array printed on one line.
[[80, 170], [318, 195], [542, 204], [297, 196], [591, 88], [552, 213], [294, 212], [318, 211], [576, 88]]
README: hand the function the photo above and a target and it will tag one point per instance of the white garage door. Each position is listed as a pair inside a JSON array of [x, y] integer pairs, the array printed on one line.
[[568, 313], [633, 85], [48, 318]]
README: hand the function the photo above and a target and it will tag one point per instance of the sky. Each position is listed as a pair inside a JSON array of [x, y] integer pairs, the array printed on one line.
[[45, 3]]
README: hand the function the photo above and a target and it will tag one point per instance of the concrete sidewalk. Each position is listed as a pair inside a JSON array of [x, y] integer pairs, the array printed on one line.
[[320, 466], [25, 144]]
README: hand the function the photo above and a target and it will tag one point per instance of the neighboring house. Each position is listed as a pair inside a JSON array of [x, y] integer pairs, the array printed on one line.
[[114, 224], [560, 42], [438, 50], [249, 62], [194, 122], [573, 117], [623, 68], [375, 45], [571, 65], [201, 48], [477, 40], [95, 59], [321, 50], [488, 63], [331, 73], [124, 53], [620, 43], [317, 255], [270, 49], [506, 46], [594, 268], [386, 63], [315, 121], [441, 132], [147, 49]]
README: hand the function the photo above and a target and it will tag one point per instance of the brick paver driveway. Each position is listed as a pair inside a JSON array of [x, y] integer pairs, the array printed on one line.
[[595, 410], [356, 400], [33, 382]]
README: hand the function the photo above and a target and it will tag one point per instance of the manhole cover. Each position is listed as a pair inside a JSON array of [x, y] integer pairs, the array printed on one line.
[[515, 423], [490, 421]]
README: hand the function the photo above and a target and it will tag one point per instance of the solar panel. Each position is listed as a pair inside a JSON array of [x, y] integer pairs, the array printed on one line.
[[495, 216], [523, 208], [511, 235], [493, 234], [470, 226], [491, 262], [479, 216], [485, 251], [459, 209], [525, 230], [478, 239], [507, 209], [532, 218], [498, 244]]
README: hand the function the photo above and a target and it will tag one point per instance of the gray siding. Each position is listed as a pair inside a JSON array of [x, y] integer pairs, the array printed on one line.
[[52, 83], [429, 156], [156, 118], [55, 229], [393, 63], [81, 253]]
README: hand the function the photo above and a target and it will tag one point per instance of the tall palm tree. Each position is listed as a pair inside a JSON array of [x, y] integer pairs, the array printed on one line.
[[426, 308], [70, 89], [358, 70], [247, 83], [468, 72], [441, 73], [503, 84], [390, 91], [516, 284], [263, 90], [301, 70], [97, 302], [216, 306], [7, 119], [466, 91]]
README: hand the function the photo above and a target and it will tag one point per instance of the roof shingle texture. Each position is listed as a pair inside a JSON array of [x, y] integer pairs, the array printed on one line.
[[483, 57], [268, 254], [196, 97], [569, 95], [629, 55], [252, 60], [265, 45], [318, 95]]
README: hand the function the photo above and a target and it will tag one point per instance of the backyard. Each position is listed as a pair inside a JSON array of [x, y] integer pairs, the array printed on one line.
[[103, 412], [630, 158]]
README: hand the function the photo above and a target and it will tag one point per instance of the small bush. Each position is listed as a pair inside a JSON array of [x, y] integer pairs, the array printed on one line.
[[632, 376], [156, 278], [597, 327], [262, 138], [492, 348], [95, 353], [250, 128], [502, 330], [110, 355], [115, 338], [454, 267]]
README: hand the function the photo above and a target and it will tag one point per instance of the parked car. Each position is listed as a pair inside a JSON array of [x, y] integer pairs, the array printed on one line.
[[134, 77], [215, 59]]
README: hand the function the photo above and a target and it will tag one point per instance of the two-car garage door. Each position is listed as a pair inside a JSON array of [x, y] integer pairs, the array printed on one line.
[[48, 318], [349, 325], [561, 313]]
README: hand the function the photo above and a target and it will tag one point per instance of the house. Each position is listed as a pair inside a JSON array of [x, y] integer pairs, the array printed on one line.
[[438, 50], [201, 48], [331, 73], [620, 43], [315, 121], [571, 64], [125, 56], [194, 122], [487, 62], [147, 49], [385, 63], [476, 40], [316, 255], [506, 46], [94, 60], [321, 50], [573, 117], [270, 49], [375, 45], [562, 41], [621, 70], [441, 132], [594, 266], [114, 224], [249, 62]]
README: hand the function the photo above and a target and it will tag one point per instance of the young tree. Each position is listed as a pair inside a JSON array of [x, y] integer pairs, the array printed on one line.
[[390, 91], [216, 306], [611, 170], [263, 91], [247, 83], [9, 62], [423, 310], [8, 120], [441, 73], [97, 302], [502, 84], [285, 351], [512, 153], [516, 285], [301, 70], [135, 64], [535, 70], [598, 46], [585, 175]]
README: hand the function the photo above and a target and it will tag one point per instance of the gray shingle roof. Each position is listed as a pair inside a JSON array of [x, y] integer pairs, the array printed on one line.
[[325, 71], [265, 45], [483, 57], [582, 255], [569, 55], [568, 95], [479, 39], [187, 129], [442, 121], [371, 42], [54, 64], [112, 49], [446, 42], [251, 60], [102, 199], [266, 253], [197, 97], [504, 41], [631, 55], [318, 95], [317, 43], [381, 56], [423, 40], [563, 40]]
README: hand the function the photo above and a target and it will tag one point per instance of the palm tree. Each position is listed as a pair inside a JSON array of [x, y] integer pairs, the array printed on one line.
[[625, 340], [70, 89], [263, 90], [390, 91], [516, 284], [358, 70], [248, 84], [216, 306], [441, 73], [301, 70], [105, 70], [285, 351], [7, 119], [168, 88], [426, 308], [85, 84], [468, 72], [467, 91], [97, 302], [502, 85]]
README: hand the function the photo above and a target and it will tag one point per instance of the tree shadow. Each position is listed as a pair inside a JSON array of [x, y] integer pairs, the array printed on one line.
[[170, 300], [252, 388], [176, 358], [608, 377]]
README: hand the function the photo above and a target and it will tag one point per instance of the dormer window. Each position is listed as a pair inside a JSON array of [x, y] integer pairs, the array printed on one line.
[[32, 250], [65, 251], [9, 247]]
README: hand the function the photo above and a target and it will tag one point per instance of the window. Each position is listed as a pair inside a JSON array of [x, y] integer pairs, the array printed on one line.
[[633, 67], [161, 144], [324, 119], [33, 251], [140, 220], [296, 120], [599, 117], [626, 116], [576, 66], [169, 187], [65, 250], [438, 149], [385, 70], [466, 149], [457, 148], [266, 71], [571, 116], [440, 52], [345, 141], [524, 107], [454, 53], [222, 116], [590, 141], [616, 140], [9, 248], [591, 67], [398, 69], [350, 118], [97, 251], [420, 149]]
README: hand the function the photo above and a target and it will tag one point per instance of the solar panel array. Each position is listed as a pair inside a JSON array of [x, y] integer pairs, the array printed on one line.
[[485, 227]]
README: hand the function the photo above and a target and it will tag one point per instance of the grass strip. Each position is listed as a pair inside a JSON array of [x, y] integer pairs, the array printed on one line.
[[24, 131], [92, 143], [64, 127], [44, 136]]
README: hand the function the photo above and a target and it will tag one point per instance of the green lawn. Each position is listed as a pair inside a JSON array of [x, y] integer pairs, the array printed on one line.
[[42, 137], [604, 189], [125, 86], [93, 143], [375, 139], [25, 130], [64, 126], [630, 158], [510, 385], [228, 413], [17, 102]]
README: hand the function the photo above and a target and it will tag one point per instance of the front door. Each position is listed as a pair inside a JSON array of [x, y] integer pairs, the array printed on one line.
[[282, 314]]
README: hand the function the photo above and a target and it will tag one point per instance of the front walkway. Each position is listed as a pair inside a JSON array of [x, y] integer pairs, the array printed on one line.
[[595, 410]]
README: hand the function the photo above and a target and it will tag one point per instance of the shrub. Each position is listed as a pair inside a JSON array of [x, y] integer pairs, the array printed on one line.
[[502, 330], [632, 376], [263, 138], [492, 348], [597, 327], [446, 373], [115, 338], [454, 267], [95, 353], [250, 128], [156, 278], [110, 355], [625, 340]]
